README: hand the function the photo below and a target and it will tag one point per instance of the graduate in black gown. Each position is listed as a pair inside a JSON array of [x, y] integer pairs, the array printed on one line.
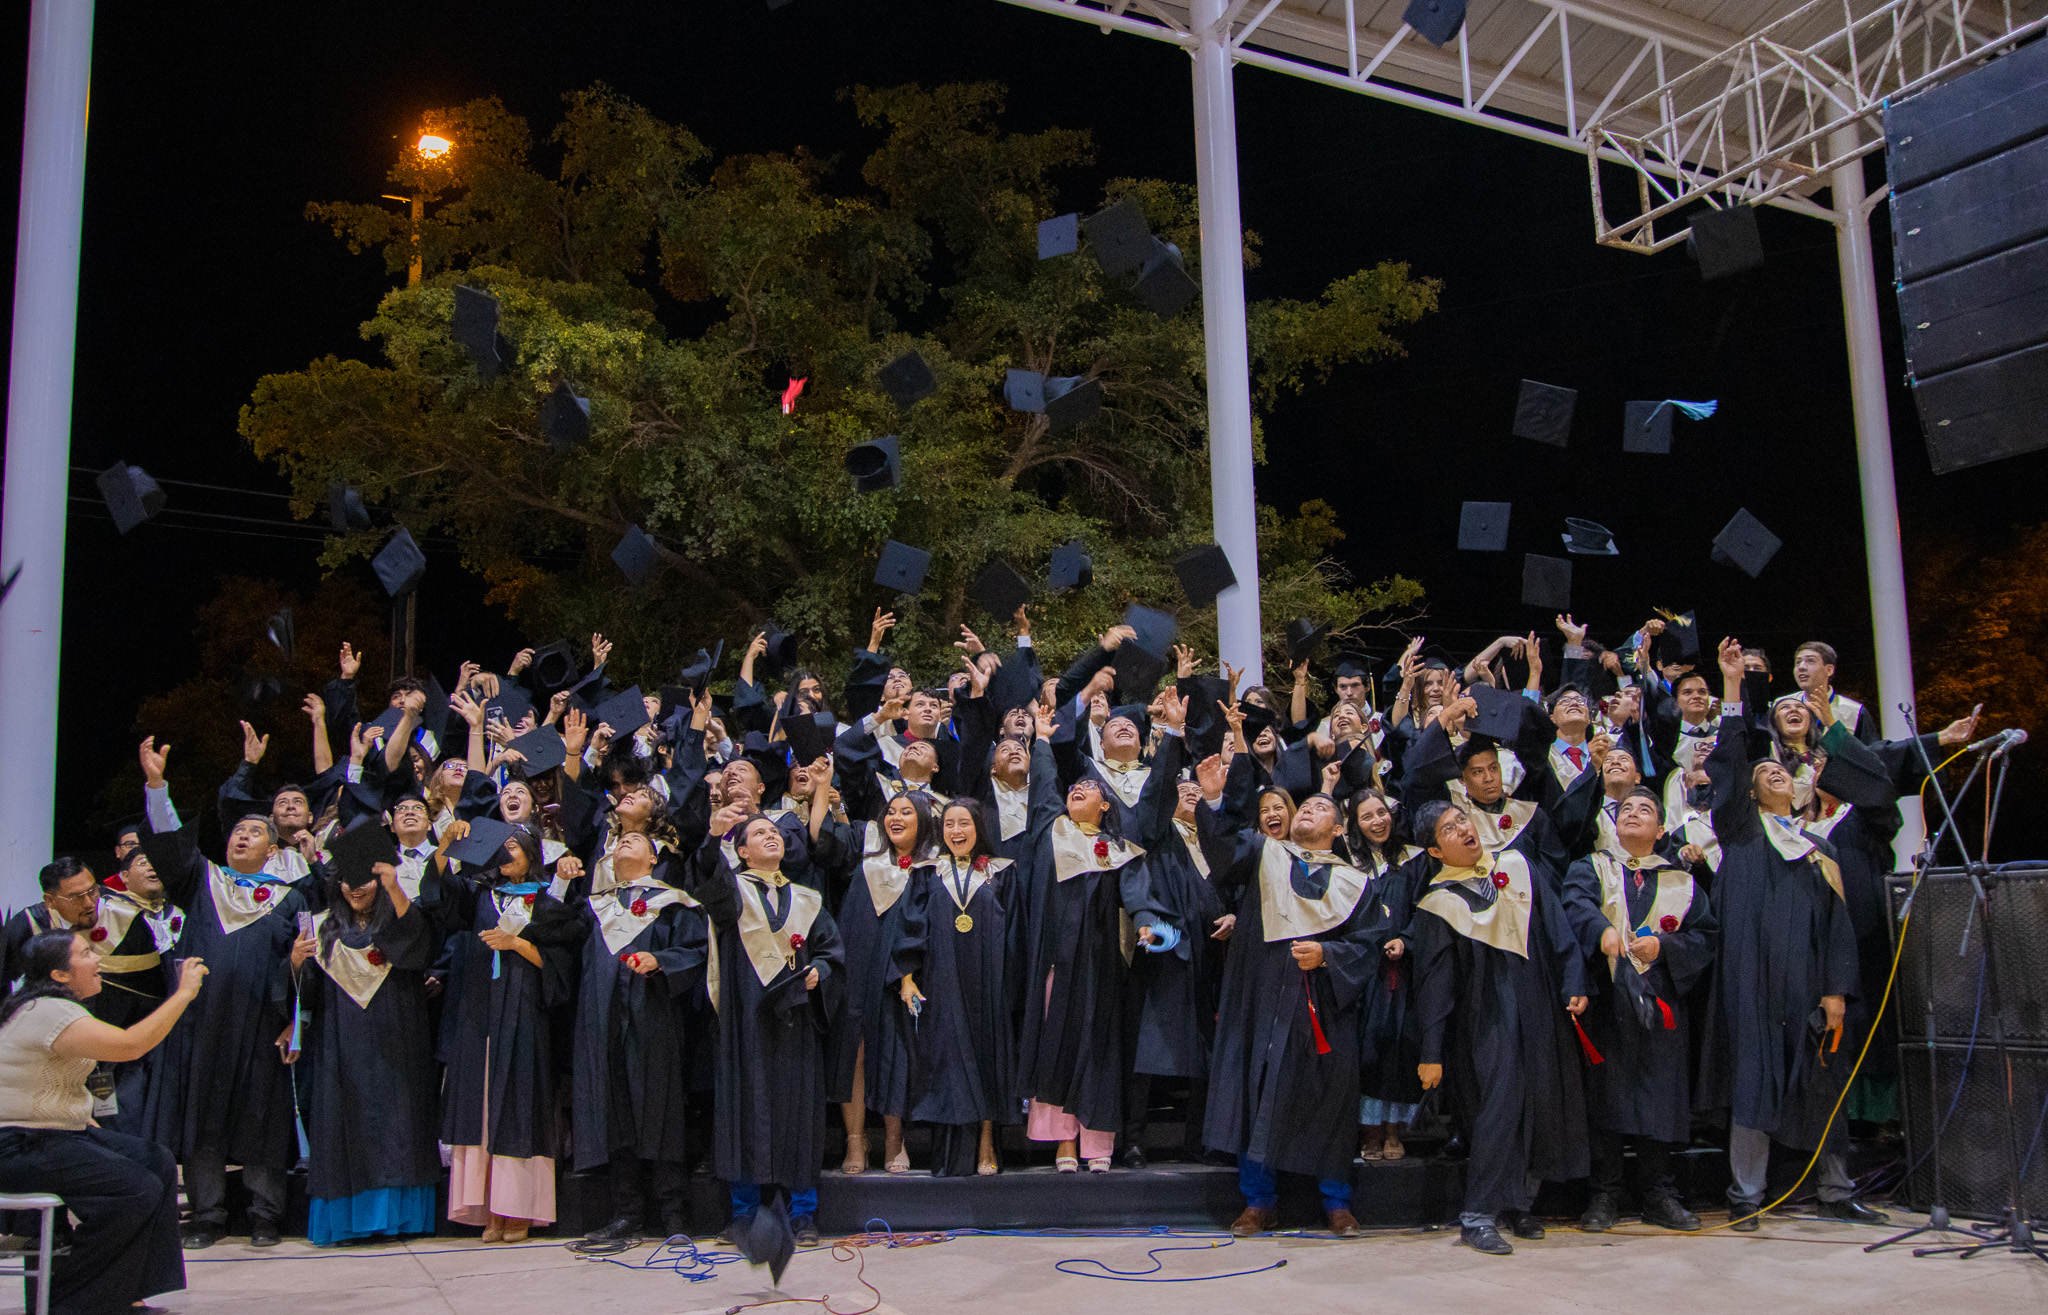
[[643, 961], [227, 1094], [367, 1076], [774, 976], [1283, 1078], [1654, 931], [870, 1046], [1499, 983], [953, 959], [498, 1100], [1390, 1040]]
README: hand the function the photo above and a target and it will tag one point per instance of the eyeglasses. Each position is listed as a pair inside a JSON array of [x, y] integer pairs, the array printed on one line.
[[90, 895]]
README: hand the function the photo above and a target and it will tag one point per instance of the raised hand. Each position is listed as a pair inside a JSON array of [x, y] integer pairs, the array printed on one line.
[[877, 632], [1209, 773], [520, 662], [575, 731], [351, 661], [977, 677], [558, 704], [1041, 715], [467, 708], [254, 746], [1115, 635], [969, 642], [153, 760], [600, 650], [467, 673], [314, 708], [1184, 661], [1022, 619], [1960, 730], [1574, 633], [1729, 656]]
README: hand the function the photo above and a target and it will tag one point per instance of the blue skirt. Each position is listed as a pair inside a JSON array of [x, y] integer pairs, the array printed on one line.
[[380, 1212]]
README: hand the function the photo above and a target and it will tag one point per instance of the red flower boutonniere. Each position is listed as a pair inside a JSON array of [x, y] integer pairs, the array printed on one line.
[[904, 862], [99, 933], [262, 895], [528, 900], [639, 908], [1669, 923], [1507, 823], [1101, 848], [376, 957], [1500, 880], [796, 940], [981, 862]]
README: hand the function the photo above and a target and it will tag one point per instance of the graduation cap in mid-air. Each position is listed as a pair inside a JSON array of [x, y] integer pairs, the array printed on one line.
[[487, 835], [354, 854], [1547, 582], [1120, 237], [1164, 284], [1059, 236], [624, 712], [511, 704], [1646, 426], [1138, 671], [542, 748], [1543, 412], [1724, 240], [1483, 526], [810, 735], [434, 715], [766, 1238], [1437, 20], [1744, 542], [697, 674], [1500, 713], [564, 417], [907, 380], [875, 465], [1071, 400], [345, 509], [132, 497], [1302, 637], [1015, 684], [1204, 572], [281, 634], [399, 564], [475, 326], [902, 567], [1588, 538], [1000, 590], [1024, 390], [1680, 641], [555, 666], [781, 654], [1072, 567], [636, 556]]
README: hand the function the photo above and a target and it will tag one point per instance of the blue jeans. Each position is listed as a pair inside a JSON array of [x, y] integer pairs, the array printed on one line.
[[746, 1198], [1261, 1187]]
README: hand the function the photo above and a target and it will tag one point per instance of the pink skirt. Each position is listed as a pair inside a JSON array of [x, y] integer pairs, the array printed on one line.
[[481, 1184], [1051, 1123]]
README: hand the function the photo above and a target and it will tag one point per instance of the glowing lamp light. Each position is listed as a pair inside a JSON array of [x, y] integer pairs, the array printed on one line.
[[433, 148]]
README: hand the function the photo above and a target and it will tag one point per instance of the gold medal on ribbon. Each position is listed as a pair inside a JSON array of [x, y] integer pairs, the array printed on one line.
[[963, 923]]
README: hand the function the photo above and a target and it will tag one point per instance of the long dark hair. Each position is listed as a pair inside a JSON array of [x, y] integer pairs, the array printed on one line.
[[339, 911], [926, 838], [1362, 849], [982, 848], [524, 840], [46, 953], [1111, 824]]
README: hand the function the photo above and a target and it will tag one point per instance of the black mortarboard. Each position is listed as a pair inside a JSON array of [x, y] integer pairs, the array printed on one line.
[[1500, 713], [511, 703], [345, 509], [1588, 538], [1120, 237], [810, 735], [1014, 685], [487, 835], [697, 675], [1059, 236], [1156, 630], [355, 852], [1070, 400], [1204, 572], [399, 564], [907, 380], [1137, 671], [1024, 390], [136, 825], [555, 667], [1725, 241], [1257, 719], [434, 715], [1680, 641], [1000, 590], [564, 418], [1205, 726], [1434, 658], [543, 749], [1357, 769], [1437, 20], [636, 556], [1483, 526], [1302, 637], [280, 633], [766, 1238], [781, 654], [475, 326], [1744, 542], [1358, 664], [1163, 284], [1646, 427], [132, 497], [875, 465], [902, 567], [770, 759], [1547, 582], [1543, 412], [1072, 567], [624, 713]]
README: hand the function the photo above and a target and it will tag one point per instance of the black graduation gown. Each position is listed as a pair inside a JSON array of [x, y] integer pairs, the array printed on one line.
[[1643, 1085], [1862, 834], [1272, 1097], [965, 1044], [368, 1072], [497, 1028], [1389, 1029], [1497, 1022], [1786, 940], [632, 1034], [769, 1090], [874, 1018], [1071, 1050], [224, 1086], [1171, 1001]]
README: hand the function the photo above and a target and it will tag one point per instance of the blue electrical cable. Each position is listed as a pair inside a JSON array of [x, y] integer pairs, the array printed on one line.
[[1147, 1275]]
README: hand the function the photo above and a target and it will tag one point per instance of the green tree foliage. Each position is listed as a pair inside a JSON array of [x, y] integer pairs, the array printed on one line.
[[680, 292]]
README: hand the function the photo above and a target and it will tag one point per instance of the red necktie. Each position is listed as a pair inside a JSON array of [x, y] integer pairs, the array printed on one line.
[[1577, 755]]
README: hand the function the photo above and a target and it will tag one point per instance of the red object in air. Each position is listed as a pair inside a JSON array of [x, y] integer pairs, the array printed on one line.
[[791, 393]]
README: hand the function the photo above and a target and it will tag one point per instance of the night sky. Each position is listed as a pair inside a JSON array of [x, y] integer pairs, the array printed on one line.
[[209, 136]]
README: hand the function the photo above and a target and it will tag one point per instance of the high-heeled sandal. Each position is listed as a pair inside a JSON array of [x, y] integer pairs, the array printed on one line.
[[1066, 1164], [899, 1162], [856, 1154], [1099, 1165], [517, 1235], [1393, 1150], [494, 1229], [987, 1167]]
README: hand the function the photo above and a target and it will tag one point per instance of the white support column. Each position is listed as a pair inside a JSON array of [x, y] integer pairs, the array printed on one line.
[[39, 434], [1881, 550], [1227, 348]]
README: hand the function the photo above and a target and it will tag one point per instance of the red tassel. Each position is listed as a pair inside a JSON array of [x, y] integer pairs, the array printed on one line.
[[1670, 1020], [1315, 1022], [1586, 1043]]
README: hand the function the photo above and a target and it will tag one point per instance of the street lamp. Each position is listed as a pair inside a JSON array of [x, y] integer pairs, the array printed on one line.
[[431, 146]]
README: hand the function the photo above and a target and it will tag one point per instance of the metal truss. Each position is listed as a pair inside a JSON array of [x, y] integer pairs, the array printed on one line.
[[1775, 114]]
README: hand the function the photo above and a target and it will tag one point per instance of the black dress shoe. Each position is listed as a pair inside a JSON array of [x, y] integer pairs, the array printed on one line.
[[805, 1230], [263, 1232], [1748, 1218], [1486, 1240], [1600, 1214], [1668, 1213], [1524, 1224], [198, 1237], [621, 1229], [1133, 1157], [1854, 1212]]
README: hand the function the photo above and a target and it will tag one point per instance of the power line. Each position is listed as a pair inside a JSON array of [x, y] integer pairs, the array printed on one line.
[[195, 484]]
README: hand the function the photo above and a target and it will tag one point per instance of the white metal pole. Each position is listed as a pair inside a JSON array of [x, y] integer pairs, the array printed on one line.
[[1227, 349], [39, 434], [1885, 561]]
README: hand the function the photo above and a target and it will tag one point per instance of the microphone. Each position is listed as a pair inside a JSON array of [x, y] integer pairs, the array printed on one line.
[[2003, 740]]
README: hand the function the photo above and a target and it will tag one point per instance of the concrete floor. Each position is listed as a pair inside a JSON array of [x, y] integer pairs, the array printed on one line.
[[1809, 1267]]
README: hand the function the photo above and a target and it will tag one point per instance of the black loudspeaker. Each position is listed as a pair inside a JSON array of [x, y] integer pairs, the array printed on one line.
[[1968, 164], [1944, 956], [1973, 1151]]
